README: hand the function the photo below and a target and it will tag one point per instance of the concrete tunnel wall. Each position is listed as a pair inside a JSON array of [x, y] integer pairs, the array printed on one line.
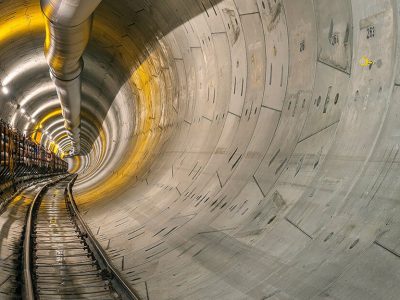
[[234, 149]]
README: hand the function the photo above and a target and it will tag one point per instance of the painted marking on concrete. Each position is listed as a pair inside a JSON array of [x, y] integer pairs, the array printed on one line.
[[365, 61]]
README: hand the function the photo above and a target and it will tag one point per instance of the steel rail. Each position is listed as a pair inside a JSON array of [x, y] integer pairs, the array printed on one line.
[[28, 290], [118, 283]]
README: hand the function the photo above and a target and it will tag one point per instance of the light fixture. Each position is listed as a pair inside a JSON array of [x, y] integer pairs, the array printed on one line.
[[23, 110], [5, 90], [33, 120]]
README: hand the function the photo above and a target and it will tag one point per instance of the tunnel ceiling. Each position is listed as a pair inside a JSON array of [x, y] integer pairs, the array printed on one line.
[[232, 149]]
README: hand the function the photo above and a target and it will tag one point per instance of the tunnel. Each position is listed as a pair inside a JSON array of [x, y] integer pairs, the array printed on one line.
[[230, 149]]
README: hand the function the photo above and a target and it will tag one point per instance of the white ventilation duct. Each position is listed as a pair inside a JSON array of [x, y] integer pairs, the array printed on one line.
[[68, 26]]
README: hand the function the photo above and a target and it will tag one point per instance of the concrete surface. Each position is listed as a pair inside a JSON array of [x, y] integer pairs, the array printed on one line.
[[234, 149]]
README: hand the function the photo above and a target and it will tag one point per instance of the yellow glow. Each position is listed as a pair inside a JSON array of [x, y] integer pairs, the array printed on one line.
[[55, 149], [47, 38], [54, 113], [27, 20], [61, 137], [51, 146], [56, 60], [148, 117], [37, 134], [38, 137]]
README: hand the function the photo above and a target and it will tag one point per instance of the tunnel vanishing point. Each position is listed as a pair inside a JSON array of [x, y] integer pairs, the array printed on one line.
[[224, 149]]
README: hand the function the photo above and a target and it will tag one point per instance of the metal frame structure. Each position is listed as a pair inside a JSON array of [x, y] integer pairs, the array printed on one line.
[[20, 156]]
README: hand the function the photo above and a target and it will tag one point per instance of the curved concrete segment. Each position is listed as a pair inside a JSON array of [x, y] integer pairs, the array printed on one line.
[[232, 149]]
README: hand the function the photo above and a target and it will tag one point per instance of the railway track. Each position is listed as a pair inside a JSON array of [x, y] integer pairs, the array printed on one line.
[[12, 221], [61, 259]]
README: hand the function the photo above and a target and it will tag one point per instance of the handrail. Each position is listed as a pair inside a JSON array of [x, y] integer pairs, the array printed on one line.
[[29, 293], [119, 284]]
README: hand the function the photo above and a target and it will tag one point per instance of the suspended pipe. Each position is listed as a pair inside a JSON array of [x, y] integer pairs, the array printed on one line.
[[68, 27]]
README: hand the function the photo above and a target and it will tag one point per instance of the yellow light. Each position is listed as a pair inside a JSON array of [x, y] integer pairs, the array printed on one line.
[[37, 135], [27, 20], [148, 104]]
